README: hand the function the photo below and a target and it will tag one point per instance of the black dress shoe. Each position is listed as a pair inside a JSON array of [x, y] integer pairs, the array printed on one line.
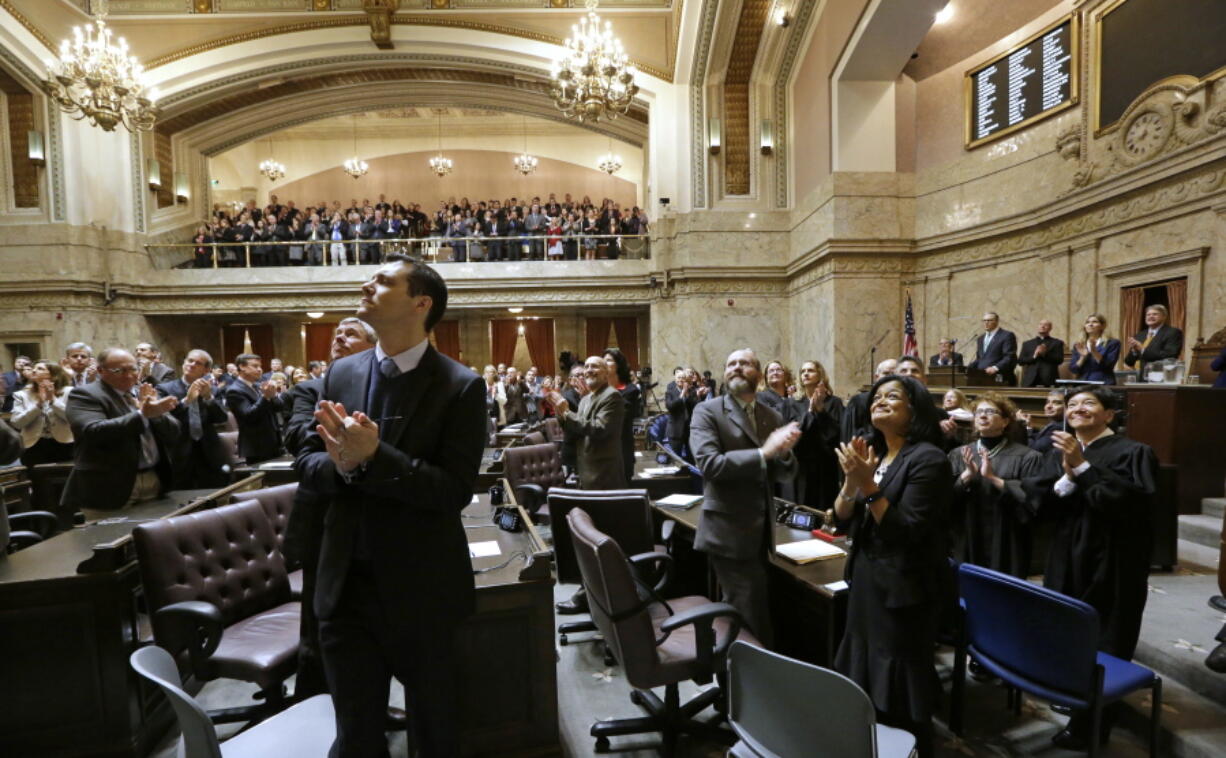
[[397, 719], [1064, 709], [978, 672], [1218, 603], [576, 604], [1217, 659]]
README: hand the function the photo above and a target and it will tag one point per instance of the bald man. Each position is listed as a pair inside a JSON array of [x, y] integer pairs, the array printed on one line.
[[1041, 358]]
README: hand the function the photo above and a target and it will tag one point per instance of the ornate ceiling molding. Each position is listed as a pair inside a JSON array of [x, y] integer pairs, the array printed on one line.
[[397, 20], [698, 110], [791, 55], [29, 27]]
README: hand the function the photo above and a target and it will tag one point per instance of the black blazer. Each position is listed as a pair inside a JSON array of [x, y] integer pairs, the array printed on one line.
[[409, 498], [259, 434], [183, 448], [1001, 353], [909, 548], [1044, 370], [680, 409], [935, 361], [1167, 343], [302, 399], [107, 436]]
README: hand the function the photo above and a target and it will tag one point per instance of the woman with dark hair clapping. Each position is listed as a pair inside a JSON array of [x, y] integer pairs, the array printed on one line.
[[619, 377], [895, 496]]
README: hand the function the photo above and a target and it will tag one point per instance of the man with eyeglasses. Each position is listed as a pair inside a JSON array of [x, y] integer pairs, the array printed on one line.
[[996, 351], [123, 434]]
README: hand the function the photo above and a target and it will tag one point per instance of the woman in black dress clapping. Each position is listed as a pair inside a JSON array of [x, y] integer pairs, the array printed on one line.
[[895, 496]]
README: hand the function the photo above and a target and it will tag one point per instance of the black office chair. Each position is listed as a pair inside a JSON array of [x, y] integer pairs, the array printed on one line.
[[24, 529], [48, 481]]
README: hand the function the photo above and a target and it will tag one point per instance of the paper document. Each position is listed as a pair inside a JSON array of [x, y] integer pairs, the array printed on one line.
[[484, 549], [838, 586], [660, 471], [807, 551], [679, 501], [275, 465], [475, 500]]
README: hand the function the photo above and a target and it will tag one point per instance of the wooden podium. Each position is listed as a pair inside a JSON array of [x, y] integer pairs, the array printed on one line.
[[960, 376]]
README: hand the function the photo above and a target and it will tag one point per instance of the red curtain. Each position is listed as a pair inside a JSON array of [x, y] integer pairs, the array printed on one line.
[[1177, 302], [597, 336], [538, 333], [503, 334], [319, 338], [628, 339], [446, 338], [234, 335], [1132, 311]]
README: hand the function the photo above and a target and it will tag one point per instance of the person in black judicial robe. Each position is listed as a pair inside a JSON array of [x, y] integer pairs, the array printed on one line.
[[395, 577], [819, 416], [999, 356], [304, 531], [197, 456], [855, 414], [990, 511], [257, 411], [1158, 341], [895, 497], [1041, 356], [1098, 488]]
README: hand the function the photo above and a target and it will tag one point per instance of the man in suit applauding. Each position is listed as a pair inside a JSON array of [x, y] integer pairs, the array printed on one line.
[[397, 450], [197, 457], [742, 448], [996, 351], [1042, 357], [257, 408], [1158, 341], [122, 437], [945, 355], [598, 426]]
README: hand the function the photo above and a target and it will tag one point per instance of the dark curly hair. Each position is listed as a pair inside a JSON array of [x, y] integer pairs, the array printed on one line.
[[925, 421], [623, 365]]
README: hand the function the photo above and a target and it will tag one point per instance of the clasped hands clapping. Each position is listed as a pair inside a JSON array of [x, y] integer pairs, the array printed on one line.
[[980, 468], [350, 440], [150, 405], [781, 441], [859, 463], [1068, 445]]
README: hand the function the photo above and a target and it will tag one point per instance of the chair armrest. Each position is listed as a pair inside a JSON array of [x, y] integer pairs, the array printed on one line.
[[530, 496], [19, 540], [193, 625], [666, 531], [43, 523], [654, 566], [701, 618]]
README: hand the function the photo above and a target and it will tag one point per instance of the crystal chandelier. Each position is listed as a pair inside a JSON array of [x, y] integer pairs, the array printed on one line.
[[440, 164], [525, 163], [95, 79], [271, 167], [593, 79], [355, 166], [610, 163]]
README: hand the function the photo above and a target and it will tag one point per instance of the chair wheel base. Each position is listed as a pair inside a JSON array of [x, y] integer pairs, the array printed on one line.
[[562, 640], [602, 744]]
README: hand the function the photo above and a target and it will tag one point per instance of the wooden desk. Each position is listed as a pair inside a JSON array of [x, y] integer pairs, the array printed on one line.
[[70, 615], [659, 486], [276, 472], [808, 612], [508, 681]]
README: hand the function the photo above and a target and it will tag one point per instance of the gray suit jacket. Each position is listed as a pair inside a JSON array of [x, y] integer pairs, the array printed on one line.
[[737, 488], [598, 425]]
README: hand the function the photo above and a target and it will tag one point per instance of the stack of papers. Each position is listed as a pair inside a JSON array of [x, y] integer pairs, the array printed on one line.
[[659, 471], [807, 551], [679, 502]]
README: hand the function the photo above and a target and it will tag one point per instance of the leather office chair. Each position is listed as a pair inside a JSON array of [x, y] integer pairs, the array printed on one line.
[[17, 496], [780, 706], [24, 529], [230, 424], [229, 443], [47, 481], [624, 515], [659, 643], [305, 730], [534, 438], [553, 430], [216, 586], [278, 502], [530, 471]]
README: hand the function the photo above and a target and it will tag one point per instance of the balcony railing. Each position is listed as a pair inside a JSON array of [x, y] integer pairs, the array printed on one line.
[[479, 249]]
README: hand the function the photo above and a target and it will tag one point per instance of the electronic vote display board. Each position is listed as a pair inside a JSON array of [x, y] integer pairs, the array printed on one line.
[[1028, 82]]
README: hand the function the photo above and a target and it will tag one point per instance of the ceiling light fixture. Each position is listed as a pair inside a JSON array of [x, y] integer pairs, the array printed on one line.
[[440, 164], [592, 77], [610, 162], [516, 309], [95, 79], [945, 14], [315, 314], [355, 166], [525, 163], [270, 167]]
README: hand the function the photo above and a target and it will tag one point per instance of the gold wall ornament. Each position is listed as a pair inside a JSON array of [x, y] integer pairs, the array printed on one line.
[[203, 6], [95, 78], [379, 13], [322, 5]]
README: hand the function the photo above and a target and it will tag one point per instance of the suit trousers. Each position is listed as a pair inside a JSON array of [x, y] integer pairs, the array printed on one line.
[[743, 585], [362, 650]]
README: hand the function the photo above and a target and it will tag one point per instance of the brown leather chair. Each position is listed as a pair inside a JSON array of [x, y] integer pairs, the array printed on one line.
[[531, 470], [534, 438], [659, 643], [217, 589], [278, 502], [229, 443], [47, 481], [553, 430], [230, 424]]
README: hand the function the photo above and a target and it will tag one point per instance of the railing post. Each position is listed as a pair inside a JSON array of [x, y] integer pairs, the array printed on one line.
[[214, 255], [247, 252]]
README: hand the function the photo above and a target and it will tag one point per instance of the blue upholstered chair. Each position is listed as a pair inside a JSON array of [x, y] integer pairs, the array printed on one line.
[[1044, 643]]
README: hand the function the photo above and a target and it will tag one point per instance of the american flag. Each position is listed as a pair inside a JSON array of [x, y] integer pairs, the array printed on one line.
[[909, 347]]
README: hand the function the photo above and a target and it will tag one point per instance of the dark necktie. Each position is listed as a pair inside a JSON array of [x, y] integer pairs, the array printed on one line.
[[377, 399], [194, 425]]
